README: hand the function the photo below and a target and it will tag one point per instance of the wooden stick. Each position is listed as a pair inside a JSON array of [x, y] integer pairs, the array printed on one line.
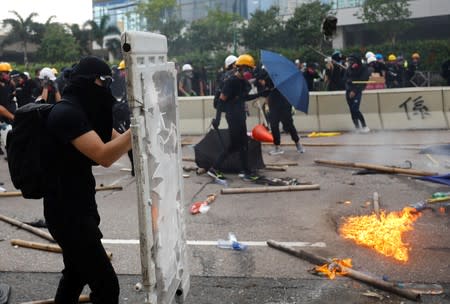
[[354, 274], [99, 188], [27, 227], [44, 247], [276, 168], [36, 245], [188, 159], [270, 189], [82, 299], [375, 167], [282, 164]]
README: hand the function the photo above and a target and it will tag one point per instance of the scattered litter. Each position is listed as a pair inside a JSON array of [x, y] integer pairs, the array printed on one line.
[[138, 287], [372, 294], [231, 243], [203, 206], [2, 189], [186, 175], [275, 181]]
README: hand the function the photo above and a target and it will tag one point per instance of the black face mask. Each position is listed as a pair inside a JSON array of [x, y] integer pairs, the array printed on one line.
[[96, 101]]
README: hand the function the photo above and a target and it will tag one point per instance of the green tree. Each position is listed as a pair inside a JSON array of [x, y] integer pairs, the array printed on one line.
[[81, 37], [113, 46], [264, 29], [389, 17], [304, 28], [22, 30], [157, 13], [58, 45], [98, 31], [214, 32], [160, 16]]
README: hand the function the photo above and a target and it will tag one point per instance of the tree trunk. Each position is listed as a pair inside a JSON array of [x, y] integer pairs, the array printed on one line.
[[25, 54]]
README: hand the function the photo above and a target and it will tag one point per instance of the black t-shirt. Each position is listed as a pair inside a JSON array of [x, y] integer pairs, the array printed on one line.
[[235, 89], [71, 182]]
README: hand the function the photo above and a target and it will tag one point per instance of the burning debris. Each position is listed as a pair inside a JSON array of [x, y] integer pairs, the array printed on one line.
[[383, 233], [336, 267]]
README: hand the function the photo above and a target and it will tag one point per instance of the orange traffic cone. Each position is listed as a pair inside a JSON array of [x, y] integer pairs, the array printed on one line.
[[260, 133]]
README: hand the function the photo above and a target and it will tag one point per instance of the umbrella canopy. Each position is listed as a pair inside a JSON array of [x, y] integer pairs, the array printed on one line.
[[215, 141], [287, 78]]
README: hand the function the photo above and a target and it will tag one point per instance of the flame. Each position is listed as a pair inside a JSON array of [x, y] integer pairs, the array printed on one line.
[[334, 268], [384, 234]]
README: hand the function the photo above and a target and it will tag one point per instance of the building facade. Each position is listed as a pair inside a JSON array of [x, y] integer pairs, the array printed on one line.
[[430, 18], [122, 14]]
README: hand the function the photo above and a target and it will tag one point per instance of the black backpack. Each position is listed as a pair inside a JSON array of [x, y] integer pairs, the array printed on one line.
[[26, 150]]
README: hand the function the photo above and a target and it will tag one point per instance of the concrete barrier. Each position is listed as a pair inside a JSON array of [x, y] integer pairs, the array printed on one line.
[[386, 109], [412, 108]]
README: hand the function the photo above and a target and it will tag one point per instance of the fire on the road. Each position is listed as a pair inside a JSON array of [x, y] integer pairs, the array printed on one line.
[[383, 233]]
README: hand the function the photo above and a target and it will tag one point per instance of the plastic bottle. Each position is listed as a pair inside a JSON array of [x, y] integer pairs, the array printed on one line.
[[231, 243], [440, 194]]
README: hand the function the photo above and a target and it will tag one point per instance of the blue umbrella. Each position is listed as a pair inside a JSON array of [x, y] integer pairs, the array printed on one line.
[[287, 78]]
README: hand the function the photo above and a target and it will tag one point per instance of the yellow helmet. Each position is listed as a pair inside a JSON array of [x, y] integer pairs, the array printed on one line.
[[415, 56], [246, 60], [55, 71], [5, 67], [392, 57], [122, 65]]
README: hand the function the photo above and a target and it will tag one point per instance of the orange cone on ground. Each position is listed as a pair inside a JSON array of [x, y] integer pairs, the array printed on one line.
[[260, 133]]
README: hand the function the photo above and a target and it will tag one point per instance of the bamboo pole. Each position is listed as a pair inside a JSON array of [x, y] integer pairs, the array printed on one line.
[[354, 274], [374, 167], [82, 299], [269, 189], [276, 168], [27, 227], [44, 247], [282, 164], [99, 188]]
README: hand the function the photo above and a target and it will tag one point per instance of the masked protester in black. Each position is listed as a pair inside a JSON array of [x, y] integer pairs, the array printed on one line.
[[355, 74], [82, 133], [234, 94], [280, 110]]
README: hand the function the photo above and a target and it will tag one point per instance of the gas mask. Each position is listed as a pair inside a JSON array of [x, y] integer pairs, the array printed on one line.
[[246, 72]]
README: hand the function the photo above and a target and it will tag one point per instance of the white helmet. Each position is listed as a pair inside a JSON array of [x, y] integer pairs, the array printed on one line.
[[369, 54], [47, 72], [230, 60], [371, 59], [187, 67]]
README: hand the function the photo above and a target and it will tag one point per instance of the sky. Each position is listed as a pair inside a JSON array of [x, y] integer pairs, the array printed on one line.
[[66, 11]]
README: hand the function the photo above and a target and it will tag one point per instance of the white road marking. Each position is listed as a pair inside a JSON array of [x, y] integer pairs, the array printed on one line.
[[214, 243]]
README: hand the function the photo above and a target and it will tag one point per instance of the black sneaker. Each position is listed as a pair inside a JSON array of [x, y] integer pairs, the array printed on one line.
[[251, 177], [216, 174]]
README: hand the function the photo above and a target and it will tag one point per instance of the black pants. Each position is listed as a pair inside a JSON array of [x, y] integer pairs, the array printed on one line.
[[282, 114], [353, 104], [85, 260], [238, 140]]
